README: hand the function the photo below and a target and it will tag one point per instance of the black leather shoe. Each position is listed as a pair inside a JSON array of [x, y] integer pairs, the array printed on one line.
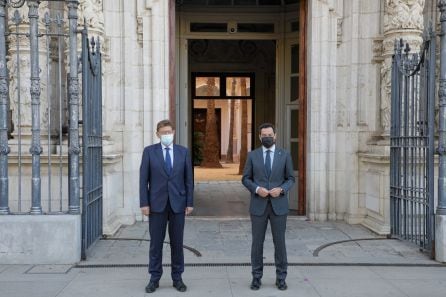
[[281, 284], [180, 286], [151, 287], [256, 283]]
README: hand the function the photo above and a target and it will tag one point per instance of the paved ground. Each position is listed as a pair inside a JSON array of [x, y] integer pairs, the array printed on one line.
[[116, 267], [217, 259], [221, 199]]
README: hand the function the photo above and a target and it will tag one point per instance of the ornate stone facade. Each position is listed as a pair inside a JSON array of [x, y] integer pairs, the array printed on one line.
[[349, 91]]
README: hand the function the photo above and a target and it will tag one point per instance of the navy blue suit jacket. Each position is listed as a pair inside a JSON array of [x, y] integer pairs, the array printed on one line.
[[156, 186], [282, 175]]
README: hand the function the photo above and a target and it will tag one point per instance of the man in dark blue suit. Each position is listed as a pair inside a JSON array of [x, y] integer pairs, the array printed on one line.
[[166, 195], [268, 175]]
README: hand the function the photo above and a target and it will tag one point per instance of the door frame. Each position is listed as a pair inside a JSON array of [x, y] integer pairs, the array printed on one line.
[[302, 125], [302, 128]]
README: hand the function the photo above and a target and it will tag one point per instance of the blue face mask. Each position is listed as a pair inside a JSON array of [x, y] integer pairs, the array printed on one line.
[[167, 139]]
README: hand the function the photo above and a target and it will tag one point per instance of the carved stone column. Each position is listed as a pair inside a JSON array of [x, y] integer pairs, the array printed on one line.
[[19, 65], [402, 19]]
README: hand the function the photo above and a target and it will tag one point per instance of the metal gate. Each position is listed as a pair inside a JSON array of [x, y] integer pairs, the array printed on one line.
[[412, 143], [92, 142]]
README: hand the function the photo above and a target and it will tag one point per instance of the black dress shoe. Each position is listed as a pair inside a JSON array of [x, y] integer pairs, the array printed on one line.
[[281, 284], [256, 283], [151, 287], [180, 286]]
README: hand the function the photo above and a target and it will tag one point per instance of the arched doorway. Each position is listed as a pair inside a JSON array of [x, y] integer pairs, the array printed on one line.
[[209, 37]]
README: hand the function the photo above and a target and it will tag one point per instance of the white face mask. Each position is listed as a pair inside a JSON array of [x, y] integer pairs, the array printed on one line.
[[167, 139]]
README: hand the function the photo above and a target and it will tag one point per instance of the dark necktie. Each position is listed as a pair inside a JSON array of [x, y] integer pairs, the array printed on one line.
[[268, 163], [168, 161]]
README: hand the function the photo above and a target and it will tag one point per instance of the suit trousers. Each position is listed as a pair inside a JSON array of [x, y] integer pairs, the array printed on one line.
[[278, 226], [157, 229]]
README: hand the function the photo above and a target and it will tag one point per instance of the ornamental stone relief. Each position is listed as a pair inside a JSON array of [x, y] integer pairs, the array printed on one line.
[[91, 11], [403, 14]]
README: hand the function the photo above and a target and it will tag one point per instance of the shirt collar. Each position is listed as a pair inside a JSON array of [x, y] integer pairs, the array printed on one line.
[[170, 146], [272, 148]]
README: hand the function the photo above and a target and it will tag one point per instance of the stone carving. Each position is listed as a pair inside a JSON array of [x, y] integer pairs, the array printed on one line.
[[403, 14], [386, 76], [139, 30], [378, 50], [341, 114], [339, 31], [91, 12]]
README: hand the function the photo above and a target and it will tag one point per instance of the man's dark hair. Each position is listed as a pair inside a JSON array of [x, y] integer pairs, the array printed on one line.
[[164, 123], [266, 125]]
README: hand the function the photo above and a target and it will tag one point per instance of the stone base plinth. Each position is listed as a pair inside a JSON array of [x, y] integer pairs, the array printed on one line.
[[40, 239], [440, 238]]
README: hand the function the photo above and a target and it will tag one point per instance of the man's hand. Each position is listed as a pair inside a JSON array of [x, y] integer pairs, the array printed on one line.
[[262, 192], [275, 192], [189, 210], [145, 210]]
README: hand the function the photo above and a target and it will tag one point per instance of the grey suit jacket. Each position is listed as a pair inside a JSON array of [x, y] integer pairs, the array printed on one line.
[[282, 175]]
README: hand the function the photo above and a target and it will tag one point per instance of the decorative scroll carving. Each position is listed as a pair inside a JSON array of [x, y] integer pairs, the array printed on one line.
[[403, 14]]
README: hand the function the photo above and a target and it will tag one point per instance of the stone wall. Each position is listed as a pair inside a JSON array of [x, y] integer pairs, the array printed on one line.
[[136, 96]]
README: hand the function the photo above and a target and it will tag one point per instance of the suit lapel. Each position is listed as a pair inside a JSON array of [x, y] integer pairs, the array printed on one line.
[[278, 154], [261, 160], [176, 158]]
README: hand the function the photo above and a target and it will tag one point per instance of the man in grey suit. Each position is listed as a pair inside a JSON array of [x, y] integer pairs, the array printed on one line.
[[268, 175]]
